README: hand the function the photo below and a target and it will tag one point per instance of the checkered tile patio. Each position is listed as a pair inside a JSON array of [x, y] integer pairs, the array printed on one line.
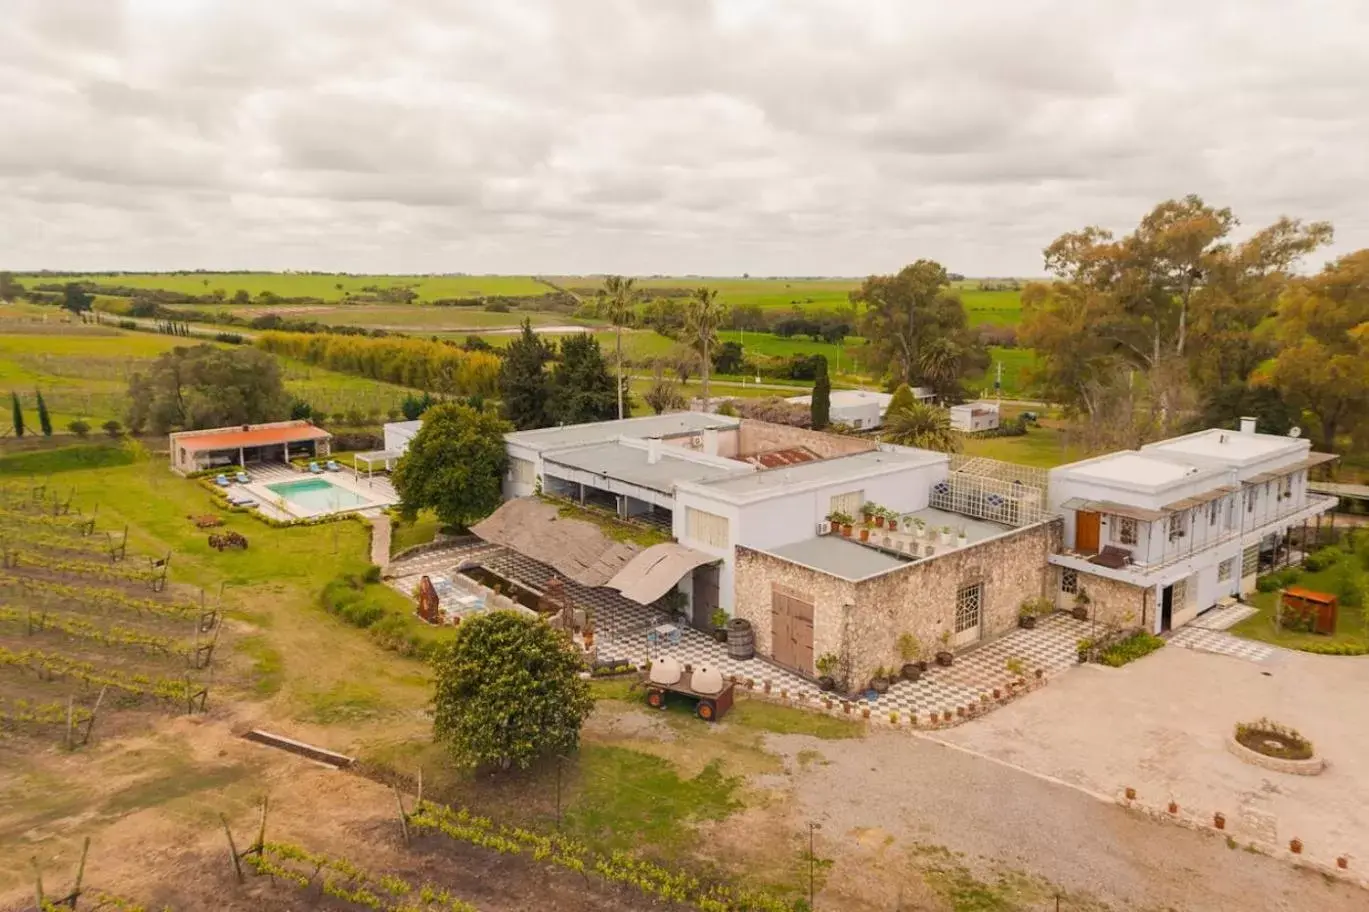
[[1222, 643], [1223, 618], [622, 627]]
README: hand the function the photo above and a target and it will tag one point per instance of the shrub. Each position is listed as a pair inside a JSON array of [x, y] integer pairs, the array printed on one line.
[[128, 324], [1281, 579], [1320, 560], [228, 338], [497, 307], [79, 428], [345, 597], [113, 428], [1130, 649], [371, 573]]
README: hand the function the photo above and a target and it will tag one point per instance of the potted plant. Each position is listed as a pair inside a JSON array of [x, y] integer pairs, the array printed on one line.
[[891, 519], [719, 620], [1081, 604], [919, 526], [879, 683], [865, 533], [910, 650], [827, 669], [947, 536], [944, 656], [961, 537], [1026, 614], [840, 520], [868, 511], [1015, 667]]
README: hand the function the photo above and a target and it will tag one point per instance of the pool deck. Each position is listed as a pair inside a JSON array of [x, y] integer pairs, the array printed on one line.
[[377, 490]]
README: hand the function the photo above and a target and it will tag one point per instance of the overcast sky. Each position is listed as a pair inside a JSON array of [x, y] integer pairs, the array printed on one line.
[[785, 137]]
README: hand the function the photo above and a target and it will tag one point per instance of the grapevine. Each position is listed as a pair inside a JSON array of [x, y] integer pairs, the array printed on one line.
[[112, 597], [114, 635], [52, 713], [51, 665], [346, 881], [81, 568]]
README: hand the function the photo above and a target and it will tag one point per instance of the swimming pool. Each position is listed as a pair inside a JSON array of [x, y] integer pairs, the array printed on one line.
[[318, 495]]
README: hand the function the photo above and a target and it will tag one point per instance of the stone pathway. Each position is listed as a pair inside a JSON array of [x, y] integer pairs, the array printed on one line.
[[1223, 618], [1222, 643], [380, 537]]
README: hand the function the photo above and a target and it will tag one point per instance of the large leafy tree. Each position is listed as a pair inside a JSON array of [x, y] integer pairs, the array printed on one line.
[[703, 315], [75, 298], [923, 426], [204, 387], [618, 303], [1322, 326], [454, 465], [1174, 301], [508, 692], [524, 382], [905, 312], [581, 387]]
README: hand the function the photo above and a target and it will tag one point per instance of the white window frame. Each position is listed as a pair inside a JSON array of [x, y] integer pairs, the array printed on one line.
[[1069, 581], [1250, 561], [848, 502], [707, 528]]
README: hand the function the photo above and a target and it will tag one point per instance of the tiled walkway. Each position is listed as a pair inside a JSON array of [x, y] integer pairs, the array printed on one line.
[[1222, 643], [1223, 618], [622, 626]]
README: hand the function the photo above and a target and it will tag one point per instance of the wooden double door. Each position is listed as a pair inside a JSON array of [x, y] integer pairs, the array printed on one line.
[[791, 630]]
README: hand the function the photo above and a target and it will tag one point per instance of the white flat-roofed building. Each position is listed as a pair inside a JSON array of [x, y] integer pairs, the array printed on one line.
[[860, 409], [1167, 531]]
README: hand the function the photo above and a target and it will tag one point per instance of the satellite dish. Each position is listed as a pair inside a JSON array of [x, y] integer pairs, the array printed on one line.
[[1295, 432]]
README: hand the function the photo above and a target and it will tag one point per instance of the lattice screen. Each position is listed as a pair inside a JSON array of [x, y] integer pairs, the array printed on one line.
[[989, 489]]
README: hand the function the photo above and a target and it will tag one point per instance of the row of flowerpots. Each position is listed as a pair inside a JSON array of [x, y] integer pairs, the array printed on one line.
[[845, 525]]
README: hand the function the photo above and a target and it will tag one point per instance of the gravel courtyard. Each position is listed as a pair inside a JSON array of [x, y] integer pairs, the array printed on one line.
[[1159, 725]]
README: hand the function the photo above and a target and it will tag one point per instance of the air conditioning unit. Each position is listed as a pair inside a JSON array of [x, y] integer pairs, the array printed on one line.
[[824, 528]]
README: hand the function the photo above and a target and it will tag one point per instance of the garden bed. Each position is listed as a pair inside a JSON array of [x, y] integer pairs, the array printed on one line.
[[1277, 747]]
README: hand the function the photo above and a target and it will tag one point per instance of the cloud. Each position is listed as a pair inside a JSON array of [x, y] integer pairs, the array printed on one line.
[[760, 136]]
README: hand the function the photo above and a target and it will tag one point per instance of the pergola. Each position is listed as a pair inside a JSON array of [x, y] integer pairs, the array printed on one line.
[[386, 459]]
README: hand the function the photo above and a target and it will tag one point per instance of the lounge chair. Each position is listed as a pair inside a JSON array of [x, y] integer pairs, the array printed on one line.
[[241, 499], [243, 478], [221, 481], [333, 466], [314, 469]]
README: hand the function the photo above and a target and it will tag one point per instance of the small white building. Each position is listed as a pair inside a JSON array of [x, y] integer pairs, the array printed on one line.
[[860, 409], [1166, 532], [398, 434], [972, 417]]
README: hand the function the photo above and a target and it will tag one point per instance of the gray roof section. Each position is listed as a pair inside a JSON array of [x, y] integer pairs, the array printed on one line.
[[666, 425], [839, 557], [976, 530], [630, 464], [825, 471]]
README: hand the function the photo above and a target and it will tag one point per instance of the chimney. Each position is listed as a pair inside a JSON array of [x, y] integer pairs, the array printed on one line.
[[1247, 425], [653, 451], [710, 441]]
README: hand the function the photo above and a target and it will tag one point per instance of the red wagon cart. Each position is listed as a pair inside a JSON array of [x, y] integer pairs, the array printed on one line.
[[712, 695]]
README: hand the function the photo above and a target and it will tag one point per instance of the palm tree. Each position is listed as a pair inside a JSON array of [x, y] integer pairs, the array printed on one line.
[[618, 302], [939, 362], [923, 426], [703, 316]]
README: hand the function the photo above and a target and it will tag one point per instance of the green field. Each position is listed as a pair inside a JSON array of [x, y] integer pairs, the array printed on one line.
[[768, 293], [397, 317], [307, 285], [85, 375]]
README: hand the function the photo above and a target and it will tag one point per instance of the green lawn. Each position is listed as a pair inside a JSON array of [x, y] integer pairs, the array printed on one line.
[[86, 376], [299, 285], [1350, 627], [827, 293], [1003, 308], [1043, 447]]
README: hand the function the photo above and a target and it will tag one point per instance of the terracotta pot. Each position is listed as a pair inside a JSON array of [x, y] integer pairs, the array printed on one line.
[[846, 707], [911, 671], [946, 716], [865, 533], [1131, 793], [827, 682], [846, 530], [1342, 862], [1174, 807], [997, 694], [865, 712], [1295, 845], [944, 659], [1027, 621], [879, 522], [1219, 820], [893, 525]]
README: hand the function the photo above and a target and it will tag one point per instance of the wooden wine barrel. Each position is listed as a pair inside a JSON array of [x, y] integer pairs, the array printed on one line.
[[741, 639]]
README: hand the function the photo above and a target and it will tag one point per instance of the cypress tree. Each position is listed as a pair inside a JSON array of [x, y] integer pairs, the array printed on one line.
[[18, 415], [524, 382], [44, 421], [822, 397]]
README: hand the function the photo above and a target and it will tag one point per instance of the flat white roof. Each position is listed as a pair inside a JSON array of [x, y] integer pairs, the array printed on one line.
[[817, 474], [1134, 469], [623, 461], [1229, 446], [648, 426], [849, 398]]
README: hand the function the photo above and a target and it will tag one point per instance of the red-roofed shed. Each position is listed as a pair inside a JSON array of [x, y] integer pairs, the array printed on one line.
[[193, 451]]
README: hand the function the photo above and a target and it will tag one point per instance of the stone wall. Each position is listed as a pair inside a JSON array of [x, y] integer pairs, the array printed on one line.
[[759, 575], [1112, 601], [921, 598], [762, 437]]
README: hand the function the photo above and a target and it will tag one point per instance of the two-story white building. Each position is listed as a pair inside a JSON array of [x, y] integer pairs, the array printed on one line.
[[1157, 535]]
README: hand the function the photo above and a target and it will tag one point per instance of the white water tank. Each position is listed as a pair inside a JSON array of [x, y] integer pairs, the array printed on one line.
[[707, 680], [666, 672]]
